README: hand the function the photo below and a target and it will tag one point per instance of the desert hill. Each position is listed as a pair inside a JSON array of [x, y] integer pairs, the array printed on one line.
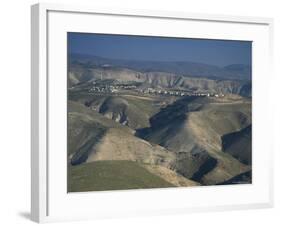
[[192, 128], [95, 140], [103, 139]]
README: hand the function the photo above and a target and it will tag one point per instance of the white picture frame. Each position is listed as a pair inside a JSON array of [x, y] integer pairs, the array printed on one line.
[[51, 20]]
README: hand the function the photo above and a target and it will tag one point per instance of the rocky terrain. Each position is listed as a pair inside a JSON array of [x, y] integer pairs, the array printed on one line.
[[199, 135]]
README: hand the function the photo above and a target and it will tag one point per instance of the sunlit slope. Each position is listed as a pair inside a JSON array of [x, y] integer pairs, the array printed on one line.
[[93, 137], [85, 124]]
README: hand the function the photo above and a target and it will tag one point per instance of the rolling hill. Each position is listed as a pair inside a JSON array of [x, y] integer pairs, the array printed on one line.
[[105, 155], [93, 137], [192, 128], [126, 138]]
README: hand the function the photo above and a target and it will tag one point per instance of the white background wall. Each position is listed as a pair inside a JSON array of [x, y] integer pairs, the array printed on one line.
[[15, 110]]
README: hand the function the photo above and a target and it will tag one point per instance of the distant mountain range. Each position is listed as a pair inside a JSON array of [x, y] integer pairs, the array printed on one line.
[[183, 68]]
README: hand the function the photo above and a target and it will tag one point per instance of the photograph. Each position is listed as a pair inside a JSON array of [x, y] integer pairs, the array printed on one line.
[[148, 112]]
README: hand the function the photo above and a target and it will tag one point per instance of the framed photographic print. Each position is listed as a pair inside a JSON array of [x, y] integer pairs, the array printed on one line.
[[144, 112]]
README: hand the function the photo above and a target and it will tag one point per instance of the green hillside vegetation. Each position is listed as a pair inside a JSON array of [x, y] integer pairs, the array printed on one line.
[[112, 175]]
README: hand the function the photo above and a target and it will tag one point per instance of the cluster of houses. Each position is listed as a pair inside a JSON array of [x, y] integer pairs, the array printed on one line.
[[106, 89], [117, 88], [111, 88], [177, 93]]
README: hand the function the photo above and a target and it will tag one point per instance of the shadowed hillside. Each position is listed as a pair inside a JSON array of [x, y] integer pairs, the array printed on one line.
[[239, 144], [243, 178]]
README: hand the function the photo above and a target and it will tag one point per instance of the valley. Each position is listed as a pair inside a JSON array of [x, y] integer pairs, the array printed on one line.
[[131, 128]]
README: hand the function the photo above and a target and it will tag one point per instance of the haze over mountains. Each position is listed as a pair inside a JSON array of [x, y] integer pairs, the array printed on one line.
[[184, 68]]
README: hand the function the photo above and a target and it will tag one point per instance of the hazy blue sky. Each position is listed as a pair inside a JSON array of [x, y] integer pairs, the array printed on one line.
[[215, 52]]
